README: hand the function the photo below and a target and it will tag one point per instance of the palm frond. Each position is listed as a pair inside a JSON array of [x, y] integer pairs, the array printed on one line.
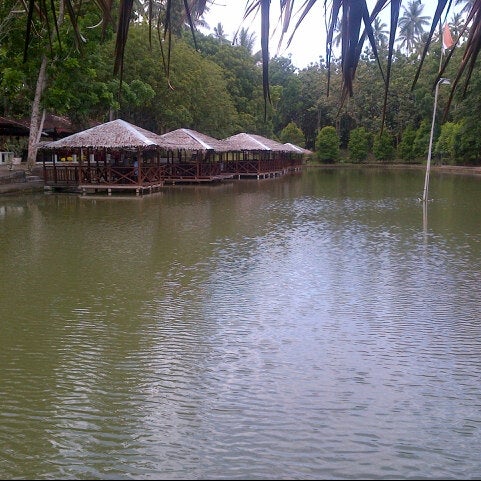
[[356, 26], [468, 61], [435, 22]]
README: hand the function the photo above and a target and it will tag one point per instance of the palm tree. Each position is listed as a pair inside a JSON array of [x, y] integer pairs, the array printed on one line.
[[246, 39], [380, 32], [219, 33], [468, 5], [456, 25], [353, 13], [411, 25]]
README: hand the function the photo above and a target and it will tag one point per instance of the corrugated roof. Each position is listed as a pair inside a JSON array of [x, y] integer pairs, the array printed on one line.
[[244, 141], [116, 134], [188, 139]]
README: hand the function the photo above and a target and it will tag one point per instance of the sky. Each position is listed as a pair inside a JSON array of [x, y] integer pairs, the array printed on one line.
[[306, 47], [309, 42]]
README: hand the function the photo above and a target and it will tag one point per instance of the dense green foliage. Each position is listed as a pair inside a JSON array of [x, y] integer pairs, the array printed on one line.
[[358, 145], [447, 144], [383, 148], [406, 146], [327, 145], [216, 89], [293, 134]]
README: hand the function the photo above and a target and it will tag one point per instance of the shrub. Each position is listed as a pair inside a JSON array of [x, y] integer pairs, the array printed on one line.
[[383, 147], [446, 145], [406, 146], [293, 134], [327, 144], [358, 145]]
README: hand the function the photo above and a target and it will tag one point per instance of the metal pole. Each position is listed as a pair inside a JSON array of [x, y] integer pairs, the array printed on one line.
[[428, 164]]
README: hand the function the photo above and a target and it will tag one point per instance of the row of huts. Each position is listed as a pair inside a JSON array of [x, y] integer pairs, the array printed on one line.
[[118, 156]]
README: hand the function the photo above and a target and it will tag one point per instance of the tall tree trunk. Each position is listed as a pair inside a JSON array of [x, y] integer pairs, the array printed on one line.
[[35, 120]]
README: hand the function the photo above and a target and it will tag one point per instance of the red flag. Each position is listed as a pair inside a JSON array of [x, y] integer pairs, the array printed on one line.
[[447, 38]]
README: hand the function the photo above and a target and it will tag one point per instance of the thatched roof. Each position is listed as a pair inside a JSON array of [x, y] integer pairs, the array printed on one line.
[[117, 134], [296, 148], [9, 126], [245, 141], [188, 139], [53, 126], [57, 126]]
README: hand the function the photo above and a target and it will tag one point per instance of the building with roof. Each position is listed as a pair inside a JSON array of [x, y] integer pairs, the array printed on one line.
[[115, 155]]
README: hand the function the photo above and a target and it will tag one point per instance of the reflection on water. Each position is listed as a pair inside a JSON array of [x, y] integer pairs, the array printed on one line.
[[313, 326]]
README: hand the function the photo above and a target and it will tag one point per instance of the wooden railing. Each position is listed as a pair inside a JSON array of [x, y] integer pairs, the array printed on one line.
[[56, 174], [190, 170], [75, 174], [70, 174], [254, 166]]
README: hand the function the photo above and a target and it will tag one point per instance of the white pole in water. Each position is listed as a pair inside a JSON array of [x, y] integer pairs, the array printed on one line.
[[428, 164]]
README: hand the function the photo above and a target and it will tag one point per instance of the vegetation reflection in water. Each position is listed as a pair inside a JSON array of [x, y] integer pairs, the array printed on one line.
[[309, 326]]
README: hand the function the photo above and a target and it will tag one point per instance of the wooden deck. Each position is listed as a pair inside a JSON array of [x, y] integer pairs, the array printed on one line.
[[98, 177], [195, 172], [172, 180], [110, 188]]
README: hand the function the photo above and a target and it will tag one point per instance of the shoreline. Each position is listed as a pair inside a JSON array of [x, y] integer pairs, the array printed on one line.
[[448, 169], [17, 181]]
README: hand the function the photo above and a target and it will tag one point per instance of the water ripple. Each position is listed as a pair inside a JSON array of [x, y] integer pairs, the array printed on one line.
[[307, 328]]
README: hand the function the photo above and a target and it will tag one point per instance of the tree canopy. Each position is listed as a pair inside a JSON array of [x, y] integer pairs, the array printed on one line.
[[355, 18], [215, 85]]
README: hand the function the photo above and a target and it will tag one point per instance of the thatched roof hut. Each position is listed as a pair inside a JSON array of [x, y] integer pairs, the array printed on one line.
[[297, 149], [188, 139], [117, 134], [54, 126], [244, 141], [9, 126]]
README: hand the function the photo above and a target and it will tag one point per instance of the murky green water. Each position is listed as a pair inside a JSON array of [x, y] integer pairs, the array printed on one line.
[[312, 326]]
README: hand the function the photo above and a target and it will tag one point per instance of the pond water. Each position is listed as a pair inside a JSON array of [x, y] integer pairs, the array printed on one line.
[[320, 325]]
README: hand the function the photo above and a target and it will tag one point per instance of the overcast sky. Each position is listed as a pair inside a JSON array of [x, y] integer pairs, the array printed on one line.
[[309, 42], [306, 47]]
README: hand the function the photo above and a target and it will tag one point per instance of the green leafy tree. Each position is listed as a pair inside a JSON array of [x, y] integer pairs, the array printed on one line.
[[243, 80], [293, 134], [381, 34], [220, 34], [445, 147], [358, 144], [383, 148], [421, 141], [314, 108], [174, 17], [468, 143], [196, 98], [327, 145], [406, 146], [286, 97]]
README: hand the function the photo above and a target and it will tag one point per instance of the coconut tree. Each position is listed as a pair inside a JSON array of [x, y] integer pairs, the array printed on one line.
[[412, 25], [380, 32], [467, 6], [456, 25], [356, 21], [245, 39], [220, 34]]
